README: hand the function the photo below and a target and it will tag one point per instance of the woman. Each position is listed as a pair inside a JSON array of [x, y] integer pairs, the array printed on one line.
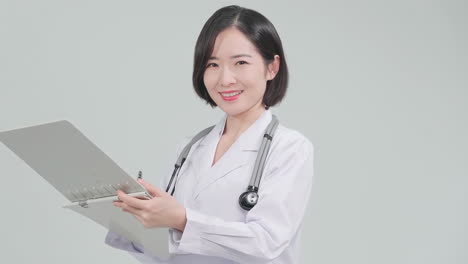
[[239, 67]]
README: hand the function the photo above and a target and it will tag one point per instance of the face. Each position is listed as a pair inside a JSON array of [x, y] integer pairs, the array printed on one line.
[[236, 74]]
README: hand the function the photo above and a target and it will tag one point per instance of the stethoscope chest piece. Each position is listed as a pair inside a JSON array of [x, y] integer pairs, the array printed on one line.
[[248, 199]]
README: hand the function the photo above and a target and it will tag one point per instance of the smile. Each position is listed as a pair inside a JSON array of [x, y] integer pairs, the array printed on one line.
[[230, 95]]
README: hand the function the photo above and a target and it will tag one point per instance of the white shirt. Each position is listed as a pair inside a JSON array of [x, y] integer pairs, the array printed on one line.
[[218, 230]]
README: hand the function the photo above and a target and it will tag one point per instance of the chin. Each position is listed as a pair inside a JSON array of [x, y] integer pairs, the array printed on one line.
[[232, 110]]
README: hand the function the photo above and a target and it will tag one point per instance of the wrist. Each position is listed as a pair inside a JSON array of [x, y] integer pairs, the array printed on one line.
[[181, 220]]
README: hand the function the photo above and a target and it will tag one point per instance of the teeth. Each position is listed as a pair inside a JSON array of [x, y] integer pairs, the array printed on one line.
[[231, 94]]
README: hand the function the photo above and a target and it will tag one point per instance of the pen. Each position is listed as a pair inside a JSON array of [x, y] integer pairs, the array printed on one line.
[[140, 175]]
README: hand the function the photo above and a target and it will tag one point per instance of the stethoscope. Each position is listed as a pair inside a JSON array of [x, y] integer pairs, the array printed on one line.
[[249, 198]]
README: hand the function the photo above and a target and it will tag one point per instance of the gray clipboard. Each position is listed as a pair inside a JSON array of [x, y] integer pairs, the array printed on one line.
[[86, 176], [69, 161]]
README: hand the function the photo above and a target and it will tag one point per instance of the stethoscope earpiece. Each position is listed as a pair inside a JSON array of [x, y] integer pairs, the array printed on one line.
[[248, 199]]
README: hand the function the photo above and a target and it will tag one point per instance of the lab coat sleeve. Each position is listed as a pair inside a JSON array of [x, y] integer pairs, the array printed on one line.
[[116, 241], [136, 250], [269, 227]]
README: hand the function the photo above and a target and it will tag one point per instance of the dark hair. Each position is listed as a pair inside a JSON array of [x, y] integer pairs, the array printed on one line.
[[259, 30]]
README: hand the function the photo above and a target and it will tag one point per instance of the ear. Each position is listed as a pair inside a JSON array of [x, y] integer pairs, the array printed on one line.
[[273, 68]]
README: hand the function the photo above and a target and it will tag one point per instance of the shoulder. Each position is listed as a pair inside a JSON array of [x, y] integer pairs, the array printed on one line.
[[290, 140], [291, 153], [182, 143], [185, 141]]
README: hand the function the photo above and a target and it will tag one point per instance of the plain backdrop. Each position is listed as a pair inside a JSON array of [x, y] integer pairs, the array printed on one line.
[[379, 87]]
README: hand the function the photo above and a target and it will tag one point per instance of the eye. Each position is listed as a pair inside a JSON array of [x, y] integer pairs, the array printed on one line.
[[242, 62], [211, 65]]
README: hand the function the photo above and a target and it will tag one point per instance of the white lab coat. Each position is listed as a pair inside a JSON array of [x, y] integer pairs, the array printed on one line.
[[218, 230]]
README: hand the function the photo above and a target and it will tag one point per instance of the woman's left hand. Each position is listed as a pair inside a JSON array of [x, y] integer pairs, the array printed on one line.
[[162, 210]]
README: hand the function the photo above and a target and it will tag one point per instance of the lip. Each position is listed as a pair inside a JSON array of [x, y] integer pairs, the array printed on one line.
[[231, 91], [230, 98]]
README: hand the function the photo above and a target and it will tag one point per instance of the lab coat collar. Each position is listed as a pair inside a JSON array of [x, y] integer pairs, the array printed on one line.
[[249, 140], [233, 159]]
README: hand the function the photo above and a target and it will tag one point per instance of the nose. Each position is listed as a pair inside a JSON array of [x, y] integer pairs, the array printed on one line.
[[227, 77]]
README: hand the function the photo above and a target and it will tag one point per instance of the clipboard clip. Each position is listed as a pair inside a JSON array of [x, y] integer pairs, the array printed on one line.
[[83, 204]]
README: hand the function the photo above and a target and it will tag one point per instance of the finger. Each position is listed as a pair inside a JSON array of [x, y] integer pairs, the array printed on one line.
[[136, 215], [139, 218], [130, 200], [153, 190], [126, 208]]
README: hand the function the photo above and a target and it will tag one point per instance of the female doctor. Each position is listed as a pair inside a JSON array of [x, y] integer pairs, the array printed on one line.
[[239, 66]]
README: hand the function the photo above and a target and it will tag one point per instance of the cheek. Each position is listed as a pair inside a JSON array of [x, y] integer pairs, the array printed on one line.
[[210, 84], [254, 77], [209, 78]]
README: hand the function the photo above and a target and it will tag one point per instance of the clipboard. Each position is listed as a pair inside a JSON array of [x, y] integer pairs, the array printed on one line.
[[87, 177]]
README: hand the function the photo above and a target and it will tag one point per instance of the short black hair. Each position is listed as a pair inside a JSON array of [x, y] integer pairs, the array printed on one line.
[[259, 30]]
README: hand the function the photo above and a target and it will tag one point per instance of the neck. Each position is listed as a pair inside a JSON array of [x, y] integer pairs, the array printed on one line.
[[237, 124]]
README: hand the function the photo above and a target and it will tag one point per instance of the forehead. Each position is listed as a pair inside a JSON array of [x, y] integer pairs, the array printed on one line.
[[231, 42]]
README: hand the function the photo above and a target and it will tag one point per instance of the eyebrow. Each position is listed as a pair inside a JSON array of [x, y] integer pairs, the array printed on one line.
[[232, 57]]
